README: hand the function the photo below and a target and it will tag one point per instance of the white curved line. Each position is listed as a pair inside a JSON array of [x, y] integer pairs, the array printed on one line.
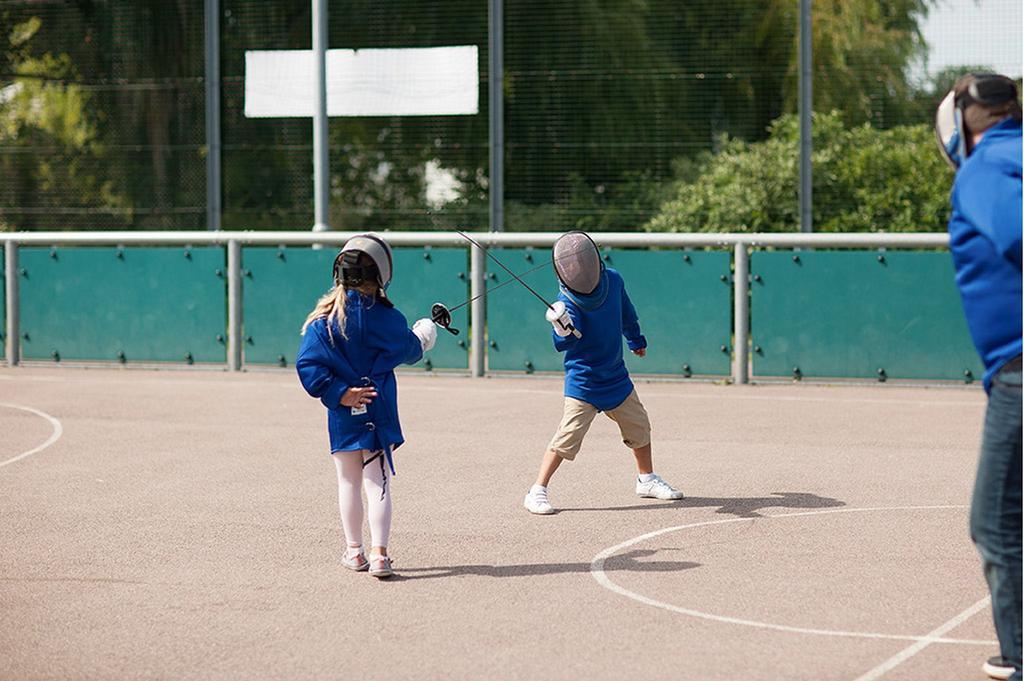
[[58, 430], [598, 573]]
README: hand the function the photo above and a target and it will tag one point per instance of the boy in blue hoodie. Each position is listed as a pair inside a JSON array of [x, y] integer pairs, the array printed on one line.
[[589, 319]]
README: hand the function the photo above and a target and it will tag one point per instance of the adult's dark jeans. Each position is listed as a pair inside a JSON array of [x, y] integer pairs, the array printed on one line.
[[996, 509]]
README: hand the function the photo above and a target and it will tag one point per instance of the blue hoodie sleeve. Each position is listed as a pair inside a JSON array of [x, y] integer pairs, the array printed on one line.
[[323, 372], [394, 340], [631, 324], [989, 199]]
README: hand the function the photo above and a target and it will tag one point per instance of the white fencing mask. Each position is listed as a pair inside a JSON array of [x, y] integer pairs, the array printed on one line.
[[577, 262]]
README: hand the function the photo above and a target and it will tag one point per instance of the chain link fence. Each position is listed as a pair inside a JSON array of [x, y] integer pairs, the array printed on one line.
[[651, 115]]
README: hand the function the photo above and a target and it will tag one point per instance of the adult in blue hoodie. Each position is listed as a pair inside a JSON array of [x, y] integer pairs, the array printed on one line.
[[589, 320], [979, 127], [352, 342]]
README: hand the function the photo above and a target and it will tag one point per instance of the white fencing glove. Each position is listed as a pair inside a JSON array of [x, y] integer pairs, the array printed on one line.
[[426, 331], [559, 318]]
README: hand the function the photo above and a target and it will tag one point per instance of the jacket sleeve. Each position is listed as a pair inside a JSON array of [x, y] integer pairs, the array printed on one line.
[[631, 324], [323, 373], [395, 341], [563, 343], [990, 200]]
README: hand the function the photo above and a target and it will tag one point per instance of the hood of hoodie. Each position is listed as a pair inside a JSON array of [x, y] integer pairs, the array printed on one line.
[[592, 300]]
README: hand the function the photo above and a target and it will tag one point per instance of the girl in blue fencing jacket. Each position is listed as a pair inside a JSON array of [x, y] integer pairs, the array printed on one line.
[[352, 342]]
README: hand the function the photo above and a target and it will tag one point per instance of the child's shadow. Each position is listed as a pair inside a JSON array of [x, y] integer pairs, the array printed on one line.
[[624, 561], [742, 507]]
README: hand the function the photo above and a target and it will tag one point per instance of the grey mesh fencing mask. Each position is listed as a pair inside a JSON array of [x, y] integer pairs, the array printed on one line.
[[577, 262]]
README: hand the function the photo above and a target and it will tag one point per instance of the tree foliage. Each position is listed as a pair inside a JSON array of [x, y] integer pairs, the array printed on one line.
[[48, 130], [865, 179]]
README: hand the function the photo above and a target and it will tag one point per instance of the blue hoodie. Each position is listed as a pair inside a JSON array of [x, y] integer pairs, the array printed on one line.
[[594, 369], [377, 339], [985, 239]]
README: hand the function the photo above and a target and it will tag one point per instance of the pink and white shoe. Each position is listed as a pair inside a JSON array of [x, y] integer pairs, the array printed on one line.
[[380, 566], [354, 558]]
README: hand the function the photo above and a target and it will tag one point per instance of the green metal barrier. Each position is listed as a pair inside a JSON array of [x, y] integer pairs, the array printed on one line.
[[130, 304], [682, 300], [858, 314], [281, 285], [518, 336]]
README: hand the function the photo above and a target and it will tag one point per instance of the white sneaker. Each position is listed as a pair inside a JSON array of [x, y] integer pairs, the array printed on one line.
[[536, 501], [656, 488], [998, 668]]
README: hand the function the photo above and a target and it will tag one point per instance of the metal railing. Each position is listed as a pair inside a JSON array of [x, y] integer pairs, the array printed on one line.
[[233, 241]]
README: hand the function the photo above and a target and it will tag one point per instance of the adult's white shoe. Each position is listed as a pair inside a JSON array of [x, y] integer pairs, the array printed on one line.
[[656, 488], [536, 501], [998, 668]]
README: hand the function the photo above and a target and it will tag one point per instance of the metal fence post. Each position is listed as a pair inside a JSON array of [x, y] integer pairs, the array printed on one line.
[[478, 322], [212, 78], [321, 153], [741, 309], [806, 108], [13, 346], [496, 105], [234, 305]]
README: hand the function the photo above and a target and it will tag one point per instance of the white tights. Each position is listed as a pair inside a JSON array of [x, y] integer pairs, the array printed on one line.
[[352, 474]]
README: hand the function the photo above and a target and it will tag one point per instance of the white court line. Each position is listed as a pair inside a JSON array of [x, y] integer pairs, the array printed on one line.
[[930, 637], [58, 430], [598, 573]]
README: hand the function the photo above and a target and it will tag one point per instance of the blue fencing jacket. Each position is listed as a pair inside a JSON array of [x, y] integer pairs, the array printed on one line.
[[985, 239], [594, 369], [377, 340]]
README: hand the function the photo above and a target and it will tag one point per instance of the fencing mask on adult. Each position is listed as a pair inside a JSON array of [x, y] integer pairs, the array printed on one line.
[[577, 262], [976, 102]]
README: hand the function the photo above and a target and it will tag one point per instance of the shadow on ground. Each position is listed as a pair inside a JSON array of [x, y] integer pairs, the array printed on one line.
[[742, 507], [629, 561]]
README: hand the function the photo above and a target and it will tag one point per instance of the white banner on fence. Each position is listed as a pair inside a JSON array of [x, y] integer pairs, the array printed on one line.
[[430, 81]]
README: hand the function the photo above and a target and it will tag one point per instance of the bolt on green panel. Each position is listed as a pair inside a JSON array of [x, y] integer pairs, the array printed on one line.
[[281, 285], [682, 300], [123, 304], [858, 314]]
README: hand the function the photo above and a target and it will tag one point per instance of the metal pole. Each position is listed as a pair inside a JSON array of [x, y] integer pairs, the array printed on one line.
[[213, 182], [13, 346], [234, 306], [741, 310], [806, 107], [321, 169], [477, 266], [495, 87]]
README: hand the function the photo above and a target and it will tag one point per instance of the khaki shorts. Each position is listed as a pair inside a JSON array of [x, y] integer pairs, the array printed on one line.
[[631, 417]]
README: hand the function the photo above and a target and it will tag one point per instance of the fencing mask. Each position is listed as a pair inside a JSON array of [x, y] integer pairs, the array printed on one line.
[[978, 101], [577, 262], [347, 268]]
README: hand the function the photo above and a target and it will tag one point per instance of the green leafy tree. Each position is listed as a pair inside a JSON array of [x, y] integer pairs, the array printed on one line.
[[48, 132], [865, 179]]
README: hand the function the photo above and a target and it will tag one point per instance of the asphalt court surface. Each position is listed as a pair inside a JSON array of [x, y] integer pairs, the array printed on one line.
[[183, 524]]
